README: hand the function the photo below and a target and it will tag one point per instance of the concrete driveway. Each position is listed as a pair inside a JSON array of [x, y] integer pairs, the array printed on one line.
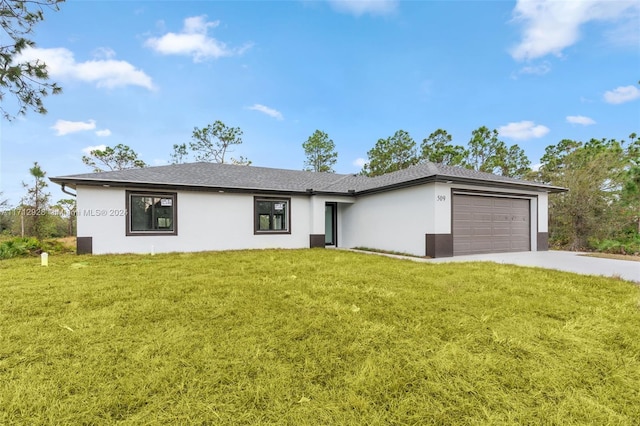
[[559, 260], [569, 261]]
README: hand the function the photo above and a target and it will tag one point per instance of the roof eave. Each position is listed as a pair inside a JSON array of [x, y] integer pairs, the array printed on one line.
[[73, 183], [524, 185]]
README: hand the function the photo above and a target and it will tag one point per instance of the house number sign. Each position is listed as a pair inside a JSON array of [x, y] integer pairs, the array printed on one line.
[[441, 198]]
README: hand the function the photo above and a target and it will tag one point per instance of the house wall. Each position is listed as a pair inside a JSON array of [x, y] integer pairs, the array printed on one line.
[[410, 219], [205, 221], [395, 220], [543, 212], [404, 220]]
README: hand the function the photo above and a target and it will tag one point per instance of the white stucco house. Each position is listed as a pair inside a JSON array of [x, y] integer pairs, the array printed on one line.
[[426, 210]]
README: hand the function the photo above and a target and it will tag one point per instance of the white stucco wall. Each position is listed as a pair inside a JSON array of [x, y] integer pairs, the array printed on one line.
[[441, 204], [206, 221], [395, 221], [543, 212], [398, 220]]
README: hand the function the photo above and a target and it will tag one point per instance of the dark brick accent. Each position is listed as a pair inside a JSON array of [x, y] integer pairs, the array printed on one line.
[[316, 240], [84, 245], [439, 245], [543, 241]]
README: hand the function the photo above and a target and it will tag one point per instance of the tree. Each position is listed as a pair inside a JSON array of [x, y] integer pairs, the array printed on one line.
[[487, 153], [68, 207], [594, 172], [320, 152], [630, 194], [391, 154], [180, 153], [437, 148], [36, 203], [120, 157], [241, 161], [483, 150], [210, 144], [6, 218], [26, 80], [513, 162]]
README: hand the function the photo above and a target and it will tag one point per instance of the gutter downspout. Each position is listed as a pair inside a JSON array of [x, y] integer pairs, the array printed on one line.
[[64, 189]]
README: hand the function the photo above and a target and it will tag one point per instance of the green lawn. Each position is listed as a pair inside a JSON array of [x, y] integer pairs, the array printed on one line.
[[327, 337]]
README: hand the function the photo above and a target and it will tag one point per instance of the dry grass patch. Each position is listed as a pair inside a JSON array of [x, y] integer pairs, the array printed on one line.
[[629, 257], [305, 337]]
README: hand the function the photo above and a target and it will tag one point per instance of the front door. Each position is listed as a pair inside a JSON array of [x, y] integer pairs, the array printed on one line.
[[330, 224]]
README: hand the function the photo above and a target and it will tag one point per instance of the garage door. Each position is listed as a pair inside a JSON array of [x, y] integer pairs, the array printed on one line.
[[490, 224]]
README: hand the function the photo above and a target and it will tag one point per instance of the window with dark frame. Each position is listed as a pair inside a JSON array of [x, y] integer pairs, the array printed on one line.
[[151, 213], [272, 215]]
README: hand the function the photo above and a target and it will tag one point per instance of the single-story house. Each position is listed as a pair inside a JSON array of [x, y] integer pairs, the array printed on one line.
[[425, 210]]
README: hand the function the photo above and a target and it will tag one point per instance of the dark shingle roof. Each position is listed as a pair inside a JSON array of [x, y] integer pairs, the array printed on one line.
[[214, 176]]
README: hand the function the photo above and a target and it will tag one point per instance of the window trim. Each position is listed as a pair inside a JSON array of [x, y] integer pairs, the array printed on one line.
[[172, 195], [256, 218]]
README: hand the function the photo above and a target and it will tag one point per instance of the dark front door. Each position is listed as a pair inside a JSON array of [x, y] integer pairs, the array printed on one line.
[[330, 224]]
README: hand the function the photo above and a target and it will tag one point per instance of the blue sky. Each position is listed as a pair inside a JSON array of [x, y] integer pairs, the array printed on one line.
[[144, 74]]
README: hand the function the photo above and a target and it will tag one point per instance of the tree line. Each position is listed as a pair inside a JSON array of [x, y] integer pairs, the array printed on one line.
[[601, 210]]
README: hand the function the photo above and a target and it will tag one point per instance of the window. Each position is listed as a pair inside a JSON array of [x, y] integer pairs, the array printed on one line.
[[151, 213], [272, 216]]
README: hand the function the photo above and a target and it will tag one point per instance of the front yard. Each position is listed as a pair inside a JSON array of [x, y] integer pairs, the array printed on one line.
[[305, 337]]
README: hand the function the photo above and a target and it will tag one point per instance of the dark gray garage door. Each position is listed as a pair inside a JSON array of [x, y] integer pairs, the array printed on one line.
[[490, 224]]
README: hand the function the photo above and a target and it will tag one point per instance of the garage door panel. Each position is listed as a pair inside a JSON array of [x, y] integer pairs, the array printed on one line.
[[484, 224], [480, 231]]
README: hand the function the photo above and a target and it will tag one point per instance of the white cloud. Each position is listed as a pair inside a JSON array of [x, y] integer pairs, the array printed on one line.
[[88, 149], [622, 94], [359, 162], [540, 69], [64, 127], [361, 7], [104, 53], [107, 73], [266, 110], [580, 119], [627, 32], [550, 26], [103, 133], [523, 130], [194, 41]]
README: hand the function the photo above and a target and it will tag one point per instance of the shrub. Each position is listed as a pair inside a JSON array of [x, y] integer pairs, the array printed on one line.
[[18, 247], [627, 245]]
